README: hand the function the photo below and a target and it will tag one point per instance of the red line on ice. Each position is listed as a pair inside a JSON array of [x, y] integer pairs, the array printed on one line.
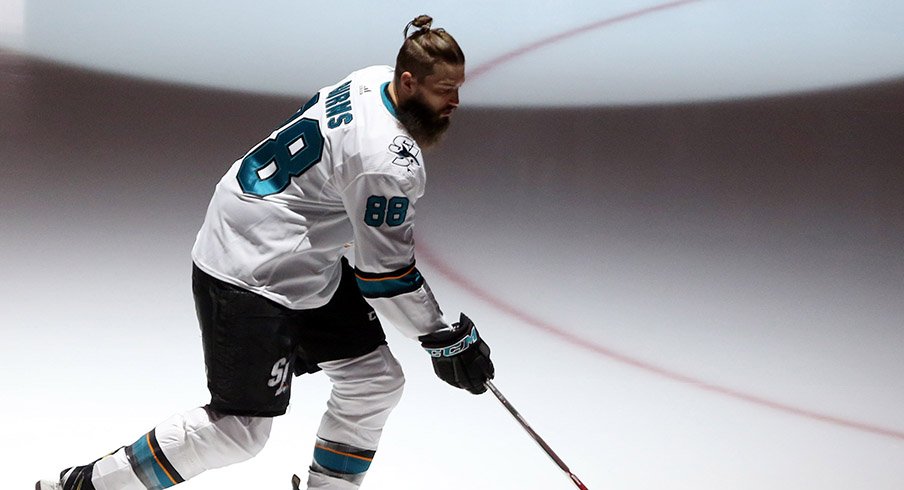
[[425, 255], [547, 41]]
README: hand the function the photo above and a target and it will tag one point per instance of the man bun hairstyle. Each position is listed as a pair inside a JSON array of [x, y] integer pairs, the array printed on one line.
[[425, 47]]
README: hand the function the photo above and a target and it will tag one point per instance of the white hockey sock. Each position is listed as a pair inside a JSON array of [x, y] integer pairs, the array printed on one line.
[[320, 481], [180, 448], [113, 472], [365, 390]]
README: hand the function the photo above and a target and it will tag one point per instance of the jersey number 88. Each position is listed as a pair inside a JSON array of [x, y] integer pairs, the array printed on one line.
[[271, 165], [268, 168], [380, 211]]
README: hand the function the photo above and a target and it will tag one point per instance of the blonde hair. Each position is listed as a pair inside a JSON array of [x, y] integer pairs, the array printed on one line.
[[426, 47]]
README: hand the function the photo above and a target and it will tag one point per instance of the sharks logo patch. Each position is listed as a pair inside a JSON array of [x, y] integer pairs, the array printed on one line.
[[406, 151]]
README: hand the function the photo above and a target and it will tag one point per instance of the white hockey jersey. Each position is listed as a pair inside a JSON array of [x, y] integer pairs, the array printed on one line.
[[341, 173]]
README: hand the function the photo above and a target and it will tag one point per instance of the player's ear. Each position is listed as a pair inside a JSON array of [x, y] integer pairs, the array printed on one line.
[[407, 84]]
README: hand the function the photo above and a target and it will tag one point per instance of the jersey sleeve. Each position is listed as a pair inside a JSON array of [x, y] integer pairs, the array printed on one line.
[[381, 210]]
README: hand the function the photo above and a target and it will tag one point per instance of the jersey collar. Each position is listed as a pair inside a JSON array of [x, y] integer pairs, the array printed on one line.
[[384, 91]]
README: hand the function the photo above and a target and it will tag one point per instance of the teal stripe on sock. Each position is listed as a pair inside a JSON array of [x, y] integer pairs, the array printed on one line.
[[146, 467], [340, 463]]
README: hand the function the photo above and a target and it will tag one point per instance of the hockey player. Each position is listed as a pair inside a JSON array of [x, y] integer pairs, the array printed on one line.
[[276, 295]]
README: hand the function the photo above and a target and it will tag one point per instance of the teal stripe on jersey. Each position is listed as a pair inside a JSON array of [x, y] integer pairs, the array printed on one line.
[[389, 284]]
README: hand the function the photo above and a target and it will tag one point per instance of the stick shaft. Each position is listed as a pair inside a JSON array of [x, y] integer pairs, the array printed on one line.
[[533, 434]]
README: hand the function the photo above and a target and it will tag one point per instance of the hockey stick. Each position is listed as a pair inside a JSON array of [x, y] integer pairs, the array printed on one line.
[[536, 437]]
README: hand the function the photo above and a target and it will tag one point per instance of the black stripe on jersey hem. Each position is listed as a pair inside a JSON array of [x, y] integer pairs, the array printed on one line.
[[378, 276], [161, 458]]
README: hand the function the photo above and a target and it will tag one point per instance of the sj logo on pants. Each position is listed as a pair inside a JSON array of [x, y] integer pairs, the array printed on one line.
[[280, 379]]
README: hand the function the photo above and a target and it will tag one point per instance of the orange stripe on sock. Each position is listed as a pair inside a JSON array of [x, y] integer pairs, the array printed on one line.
[[154, 454], [345, 454]]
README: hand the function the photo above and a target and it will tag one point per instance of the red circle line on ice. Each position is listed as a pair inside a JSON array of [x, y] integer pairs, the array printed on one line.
[[425, 255], [497, 303], [556, 38]]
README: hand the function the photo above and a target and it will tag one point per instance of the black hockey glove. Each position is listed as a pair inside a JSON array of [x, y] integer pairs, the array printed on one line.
[[460, 357]]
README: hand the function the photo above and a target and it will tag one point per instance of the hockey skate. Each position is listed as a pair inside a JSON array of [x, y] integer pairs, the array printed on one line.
[[76, 478]]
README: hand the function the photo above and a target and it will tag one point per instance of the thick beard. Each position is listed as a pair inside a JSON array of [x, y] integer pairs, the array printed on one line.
[[425, 126]]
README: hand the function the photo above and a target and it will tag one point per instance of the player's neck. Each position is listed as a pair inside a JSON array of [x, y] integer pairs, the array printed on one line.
[[392, 93]]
